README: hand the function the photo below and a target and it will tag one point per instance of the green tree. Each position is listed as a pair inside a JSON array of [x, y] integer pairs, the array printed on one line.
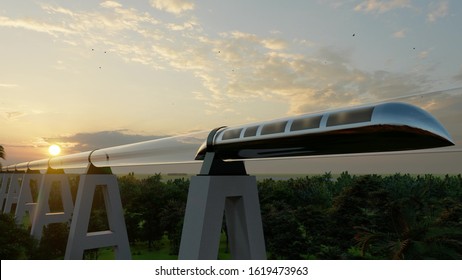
[[150, 205], [283, 234], [422, 224], [15, 241], [364, 203], [173, 210], [130, 193], [53, 243], [154, 209]]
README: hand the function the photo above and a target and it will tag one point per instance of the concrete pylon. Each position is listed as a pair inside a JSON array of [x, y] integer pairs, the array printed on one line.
[[43, 216], [208, 197], [13, 191], [6, 178], [116, 236], [25, 200]]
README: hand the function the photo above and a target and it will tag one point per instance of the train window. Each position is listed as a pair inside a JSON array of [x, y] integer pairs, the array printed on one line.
[[271, 128], [251, 131], [232, 134], [349, 117], [306, 123]]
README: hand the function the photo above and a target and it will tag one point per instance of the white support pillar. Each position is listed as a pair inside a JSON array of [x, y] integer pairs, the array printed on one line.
[[42, 215], [4, 188], [116, 236], [13, 191], [208, 197], [25, 200]]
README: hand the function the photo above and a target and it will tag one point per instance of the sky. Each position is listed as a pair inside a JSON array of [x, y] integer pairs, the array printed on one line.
[[95, 74]]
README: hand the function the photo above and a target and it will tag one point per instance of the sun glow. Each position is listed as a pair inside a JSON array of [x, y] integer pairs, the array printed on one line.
[[54, 150]]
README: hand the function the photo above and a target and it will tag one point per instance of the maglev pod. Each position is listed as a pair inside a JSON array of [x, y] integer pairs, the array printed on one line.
[[375, 128]]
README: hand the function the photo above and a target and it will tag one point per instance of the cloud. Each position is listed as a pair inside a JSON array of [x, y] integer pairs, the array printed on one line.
[[56, 10], [458, 76], [274, 44], [8, 85], [34, 25], [437, 10], [378, 6], [424, 54], [81, 142], [13, 115], [235, 67], [173, 6], [180, 27], [111, 4], [335, 3], [400, 34], [307, 83]]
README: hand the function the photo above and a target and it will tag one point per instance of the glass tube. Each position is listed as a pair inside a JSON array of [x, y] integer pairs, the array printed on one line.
[[10, 168], [22, 166], [169, 150], [80, 160], [177, 149], [41, 164]]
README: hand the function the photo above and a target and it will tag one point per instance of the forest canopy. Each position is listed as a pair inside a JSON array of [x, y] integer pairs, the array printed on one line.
[[398, 216]]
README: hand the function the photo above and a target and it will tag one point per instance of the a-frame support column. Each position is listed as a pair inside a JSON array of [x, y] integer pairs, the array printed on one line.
[[13, 191], [116, 236], [6, 181], [25, 200], [209, 195], [42, 215]]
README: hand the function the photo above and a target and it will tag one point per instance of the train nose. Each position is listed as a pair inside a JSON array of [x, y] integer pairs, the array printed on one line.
[[402, 114]]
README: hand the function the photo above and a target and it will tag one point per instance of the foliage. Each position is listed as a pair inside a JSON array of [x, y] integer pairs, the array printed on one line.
[[154, 208], [52, 245], [424, 223], [363, 217], [398, 216], [15, 241], [322, 217]]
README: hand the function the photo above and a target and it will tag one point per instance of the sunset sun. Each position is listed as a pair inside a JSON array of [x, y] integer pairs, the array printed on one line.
[[54, 150]]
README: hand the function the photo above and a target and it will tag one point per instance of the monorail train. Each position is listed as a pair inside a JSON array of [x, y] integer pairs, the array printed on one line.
[[384, 127], [373, 128]]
